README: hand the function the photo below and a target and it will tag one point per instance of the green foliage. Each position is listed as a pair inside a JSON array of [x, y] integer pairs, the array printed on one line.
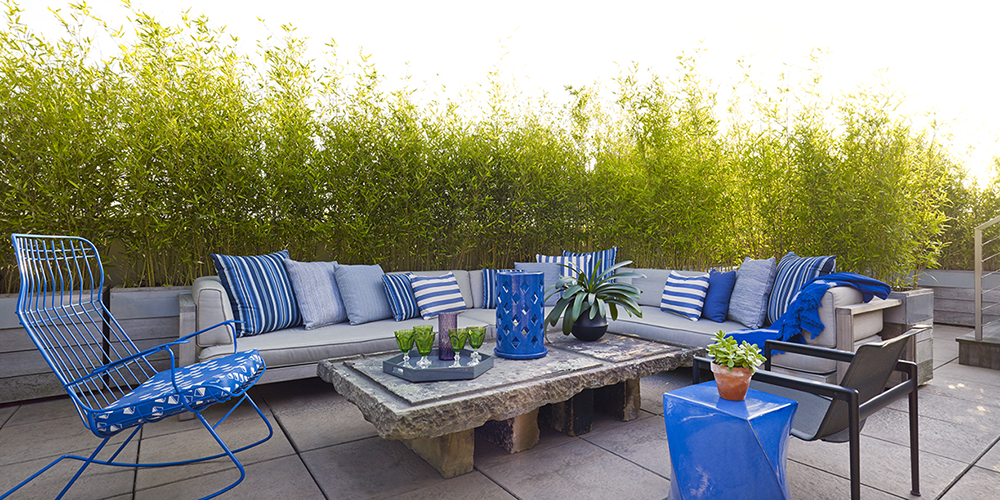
[[725, 352], [178, 146], [594, 293]]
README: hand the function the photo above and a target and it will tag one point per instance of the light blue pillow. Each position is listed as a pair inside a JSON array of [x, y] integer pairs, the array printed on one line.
[[259, 292], [490, 287], [316, 292], [364, 293], [748, 304], [401, 301], [793, 272], [549, 279], [568, 266], [684, 295], [437, 294], [607, 257]]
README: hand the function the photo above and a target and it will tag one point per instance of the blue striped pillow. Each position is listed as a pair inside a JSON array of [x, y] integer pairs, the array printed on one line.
[[576, 263], [684, 295], [607, 257], [436, 295], [490, 286], [259, 292], [401, 300], [793, 272]]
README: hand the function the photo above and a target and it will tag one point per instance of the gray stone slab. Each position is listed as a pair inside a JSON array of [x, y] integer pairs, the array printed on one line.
[[97, 481], [34, 413], [940, 437], [977, 483], [806, 482], [991, 460], [49, 439], [370, 468], [284, 477], [959, 411], [488, 454], [956, 371], [7, 412], [245, 414], [196, 443], [471, 486], [337, 422], [642, 441], [578, 469], [403, 410], [954, 387], [654, 386]]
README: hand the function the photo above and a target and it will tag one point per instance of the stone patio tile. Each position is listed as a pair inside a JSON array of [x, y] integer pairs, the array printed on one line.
[[956, 387], [991, 460], [959, 411], [653, 387], [575, 469], [814, 484], [950, 332], [97, 481], [51, 438], [945, 351], [968, 374], [977, 483], [196, 443], [334, 421], [884, 465], [370, 468], [33, 413], [295, 395], [6, 412], [243, 415], [488, 454], [642, 441], [284, 477], [473, 485], [958, 442]]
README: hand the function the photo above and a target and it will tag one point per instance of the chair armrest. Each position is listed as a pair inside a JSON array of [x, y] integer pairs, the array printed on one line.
[[811, 386], [874, 305]]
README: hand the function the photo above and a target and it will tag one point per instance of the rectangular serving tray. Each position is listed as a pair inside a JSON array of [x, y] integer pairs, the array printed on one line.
[[439, 370]]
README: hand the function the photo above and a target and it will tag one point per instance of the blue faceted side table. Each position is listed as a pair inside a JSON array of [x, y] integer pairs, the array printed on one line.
[[520, 316], [727, 449]]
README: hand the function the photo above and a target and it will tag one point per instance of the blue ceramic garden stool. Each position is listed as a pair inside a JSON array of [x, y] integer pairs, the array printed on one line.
[[727, 449], [520, 316]]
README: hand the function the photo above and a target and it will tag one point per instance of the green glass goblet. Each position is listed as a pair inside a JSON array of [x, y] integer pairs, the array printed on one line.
[[404, 339], [477, 334], [457, 337], [424, 337]]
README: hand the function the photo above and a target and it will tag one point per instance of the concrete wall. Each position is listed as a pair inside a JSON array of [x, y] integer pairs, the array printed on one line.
[[148, 315]]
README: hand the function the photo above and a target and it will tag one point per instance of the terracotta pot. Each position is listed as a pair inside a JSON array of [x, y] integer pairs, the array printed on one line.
[[732, 383]]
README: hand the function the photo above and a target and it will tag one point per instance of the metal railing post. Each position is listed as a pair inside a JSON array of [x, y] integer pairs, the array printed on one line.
[[979, 282]]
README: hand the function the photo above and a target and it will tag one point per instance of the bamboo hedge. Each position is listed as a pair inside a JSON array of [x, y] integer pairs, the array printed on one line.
[[179, 146]]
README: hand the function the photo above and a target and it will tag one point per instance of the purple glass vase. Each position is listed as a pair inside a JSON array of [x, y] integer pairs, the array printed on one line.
[[446, 321]]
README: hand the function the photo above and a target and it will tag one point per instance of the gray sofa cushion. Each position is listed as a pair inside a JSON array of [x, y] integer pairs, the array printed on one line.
[[551, 276], [316, 292], [748, 303], [364, 293], [665, 327], [476, 284]]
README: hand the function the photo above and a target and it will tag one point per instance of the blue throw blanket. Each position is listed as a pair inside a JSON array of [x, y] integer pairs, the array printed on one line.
[[803, 312]]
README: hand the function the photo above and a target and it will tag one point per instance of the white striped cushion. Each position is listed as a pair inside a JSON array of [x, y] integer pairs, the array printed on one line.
[[490, 286], [259, 292], [607, 257], [436, 295], [576, 263], [401, 300], [793, 272], [684, 295]]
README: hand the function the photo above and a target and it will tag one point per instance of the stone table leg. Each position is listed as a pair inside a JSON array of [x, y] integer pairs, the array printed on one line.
[[513, 434], [621, 401], [572, 417], [450, 454]]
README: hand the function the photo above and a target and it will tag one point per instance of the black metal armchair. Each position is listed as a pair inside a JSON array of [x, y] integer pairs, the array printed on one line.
[[837, 412]]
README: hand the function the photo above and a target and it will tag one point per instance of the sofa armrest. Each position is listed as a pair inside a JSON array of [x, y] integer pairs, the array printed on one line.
[[856, 322], [187, 352], [211, 303]]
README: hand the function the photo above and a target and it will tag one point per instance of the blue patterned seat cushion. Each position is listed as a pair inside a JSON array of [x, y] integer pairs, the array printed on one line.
[[200, 385]]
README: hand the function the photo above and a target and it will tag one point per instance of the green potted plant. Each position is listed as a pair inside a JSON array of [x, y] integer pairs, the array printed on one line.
[[585, 301], [733, 365]]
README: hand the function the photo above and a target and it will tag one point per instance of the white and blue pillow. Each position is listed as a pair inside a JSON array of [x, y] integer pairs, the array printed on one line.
[[490, 286], [437, 294], [684, 295], [261, 296], [794, 272], [570, 266], [401, 300], [608, 257]]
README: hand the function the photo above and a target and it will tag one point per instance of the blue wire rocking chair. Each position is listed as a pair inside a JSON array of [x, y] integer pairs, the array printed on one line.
[[114, 385]]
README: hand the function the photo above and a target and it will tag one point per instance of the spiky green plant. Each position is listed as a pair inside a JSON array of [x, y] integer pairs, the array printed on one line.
[[594, 293]]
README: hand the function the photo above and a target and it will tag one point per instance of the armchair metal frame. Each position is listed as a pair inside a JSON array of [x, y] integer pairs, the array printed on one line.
[[113, 384], [848, 405]]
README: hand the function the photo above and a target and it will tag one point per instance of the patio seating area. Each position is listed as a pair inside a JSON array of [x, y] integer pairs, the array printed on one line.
[[323, 448]]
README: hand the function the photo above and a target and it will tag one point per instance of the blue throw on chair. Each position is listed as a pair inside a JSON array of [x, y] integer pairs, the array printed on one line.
[[113, 384]]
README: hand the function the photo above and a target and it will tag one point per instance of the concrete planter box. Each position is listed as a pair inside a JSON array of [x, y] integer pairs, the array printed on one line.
[[917, 307], [148, 315], [917, 310]]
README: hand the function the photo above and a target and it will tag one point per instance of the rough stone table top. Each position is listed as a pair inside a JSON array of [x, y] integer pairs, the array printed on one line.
[[409, 410]]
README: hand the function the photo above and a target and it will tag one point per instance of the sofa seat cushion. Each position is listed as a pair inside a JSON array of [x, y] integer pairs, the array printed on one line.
[[295, 346], [665, 327], [489, 316]]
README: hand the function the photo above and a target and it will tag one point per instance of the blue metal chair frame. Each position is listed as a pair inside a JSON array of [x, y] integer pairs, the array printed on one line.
[[114, 385]]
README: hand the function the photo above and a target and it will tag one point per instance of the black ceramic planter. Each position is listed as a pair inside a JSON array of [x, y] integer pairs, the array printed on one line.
[[588, 329]]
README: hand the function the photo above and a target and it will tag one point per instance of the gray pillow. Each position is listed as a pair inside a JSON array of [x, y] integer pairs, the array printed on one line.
[[551, 271], [748, 304], [316, 292], [363, 292]]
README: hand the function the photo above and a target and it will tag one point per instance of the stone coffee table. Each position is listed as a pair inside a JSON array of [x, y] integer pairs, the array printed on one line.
[[437, 420]]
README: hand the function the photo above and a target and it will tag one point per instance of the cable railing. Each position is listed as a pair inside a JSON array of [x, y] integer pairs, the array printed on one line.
[[991, 262]]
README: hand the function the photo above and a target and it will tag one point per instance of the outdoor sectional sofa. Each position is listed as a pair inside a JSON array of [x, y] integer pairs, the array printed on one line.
[[293, 353]]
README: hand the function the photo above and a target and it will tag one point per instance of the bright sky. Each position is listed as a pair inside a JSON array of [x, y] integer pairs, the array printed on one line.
[[941, 55]]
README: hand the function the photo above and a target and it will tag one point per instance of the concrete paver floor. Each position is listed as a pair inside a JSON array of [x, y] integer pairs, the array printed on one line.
[[323, 448]]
